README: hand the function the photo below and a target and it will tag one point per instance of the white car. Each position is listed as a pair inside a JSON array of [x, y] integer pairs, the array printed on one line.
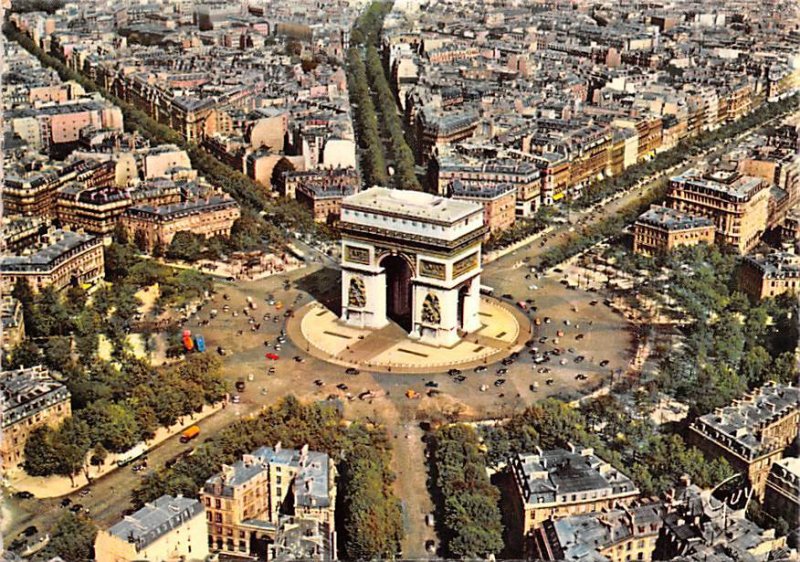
[[532, 287]]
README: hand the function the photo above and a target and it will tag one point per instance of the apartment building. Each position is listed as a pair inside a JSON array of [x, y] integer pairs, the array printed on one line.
[[763, 276], [13, 322], [782, 492], [321, 191], [436, 130], [738, 205], [558, 483], [618, 535], [660, 229], [97, 210], [34, 192], [59, 259], [212, 216], [32, 398], [498, 201], [169, 529], [245, 502], [753, 432]]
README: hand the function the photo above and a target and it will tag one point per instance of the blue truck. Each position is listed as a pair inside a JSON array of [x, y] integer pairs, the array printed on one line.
[[200, 343]]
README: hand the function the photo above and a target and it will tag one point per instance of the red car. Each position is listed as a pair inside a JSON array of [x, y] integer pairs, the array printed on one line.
[[272, 356]]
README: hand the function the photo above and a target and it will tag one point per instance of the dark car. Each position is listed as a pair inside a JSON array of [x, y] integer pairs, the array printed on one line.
[[24, 495], [76, 508], [240, 386], [341, 386], [549, 381], [500, 382], [351, 371], [459, 378], [480, 369], [502, 371], [453, 372], [65, 502], [514, 355], [30, 531], [604, 362], [432, 384], [318, 382], [507, 361], [547, 319], [579, 337], [579, 359], [593, 303], [580, 377], [508, 296]]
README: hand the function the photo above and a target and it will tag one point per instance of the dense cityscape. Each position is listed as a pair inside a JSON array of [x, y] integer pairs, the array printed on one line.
[[400, 279]]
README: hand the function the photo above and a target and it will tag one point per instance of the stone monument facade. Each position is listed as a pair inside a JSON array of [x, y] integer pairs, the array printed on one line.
[[413, 258]]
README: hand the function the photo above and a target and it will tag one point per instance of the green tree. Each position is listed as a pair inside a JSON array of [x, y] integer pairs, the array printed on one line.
[[72, 538], [112, 425], [41, 456], [185, 246]]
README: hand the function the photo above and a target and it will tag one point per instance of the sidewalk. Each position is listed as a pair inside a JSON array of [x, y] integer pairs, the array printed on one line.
[[56, 486]]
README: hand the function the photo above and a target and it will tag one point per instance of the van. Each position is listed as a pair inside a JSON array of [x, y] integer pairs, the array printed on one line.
[[190, 433]]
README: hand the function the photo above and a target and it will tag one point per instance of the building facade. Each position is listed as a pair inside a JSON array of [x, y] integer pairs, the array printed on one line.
[[738, 205], [559, 483], [771, 275], [753, 432], [498, 201], [32, 398], [414, 258], [660, 229], [167, 529], [212, 216], [60, 259], [782, 492], [245, 503]]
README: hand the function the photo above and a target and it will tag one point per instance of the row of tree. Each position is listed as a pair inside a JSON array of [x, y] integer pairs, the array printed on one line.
[[373, 160], [467, 504], [117, 405], [367, 512]]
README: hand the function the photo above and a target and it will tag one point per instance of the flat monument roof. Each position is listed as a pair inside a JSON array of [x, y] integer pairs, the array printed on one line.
[[412, 204]]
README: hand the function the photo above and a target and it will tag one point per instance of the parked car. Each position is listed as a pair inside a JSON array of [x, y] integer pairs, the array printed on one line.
[[480, 368], [604, 362], [351, 371], [502, 371], [453, 372], [272, 356], [432, 384], [500, 382], [24, 495]]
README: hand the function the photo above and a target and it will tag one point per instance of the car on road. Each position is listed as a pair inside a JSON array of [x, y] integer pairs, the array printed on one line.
[[319, 382], [500, 382], [24, 495], [543, 370], [604, 362], [580, 377], [430, 546], [459, 378], [240, 385], [65, 502], [579, 337], [221, 351], [508, 296], [76, 508], [579, 359], [351, 371], [432, 384], [507, 361], [341, 386], [453, 372], [502, 371], [548, 382], [236, 399], [534, 387], [480, 369], [272, 356], [593, 303], [543, 339], [547, 319], [271, 371], [299, 359]]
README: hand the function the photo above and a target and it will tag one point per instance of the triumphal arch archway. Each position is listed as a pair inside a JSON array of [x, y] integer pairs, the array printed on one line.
[[412, 258]]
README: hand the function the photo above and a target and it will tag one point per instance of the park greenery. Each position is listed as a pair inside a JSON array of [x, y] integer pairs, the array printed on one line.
[[117, 400], [72, 538], [368, 515], [467, 504], [729, 343], [369, 89]]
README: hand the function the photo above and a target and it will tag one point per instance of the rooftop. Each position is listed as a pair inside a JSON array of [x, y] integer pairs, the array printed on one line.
[[411, 204], [672, 219], [741, 424], [27, 392], [156, 519]]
